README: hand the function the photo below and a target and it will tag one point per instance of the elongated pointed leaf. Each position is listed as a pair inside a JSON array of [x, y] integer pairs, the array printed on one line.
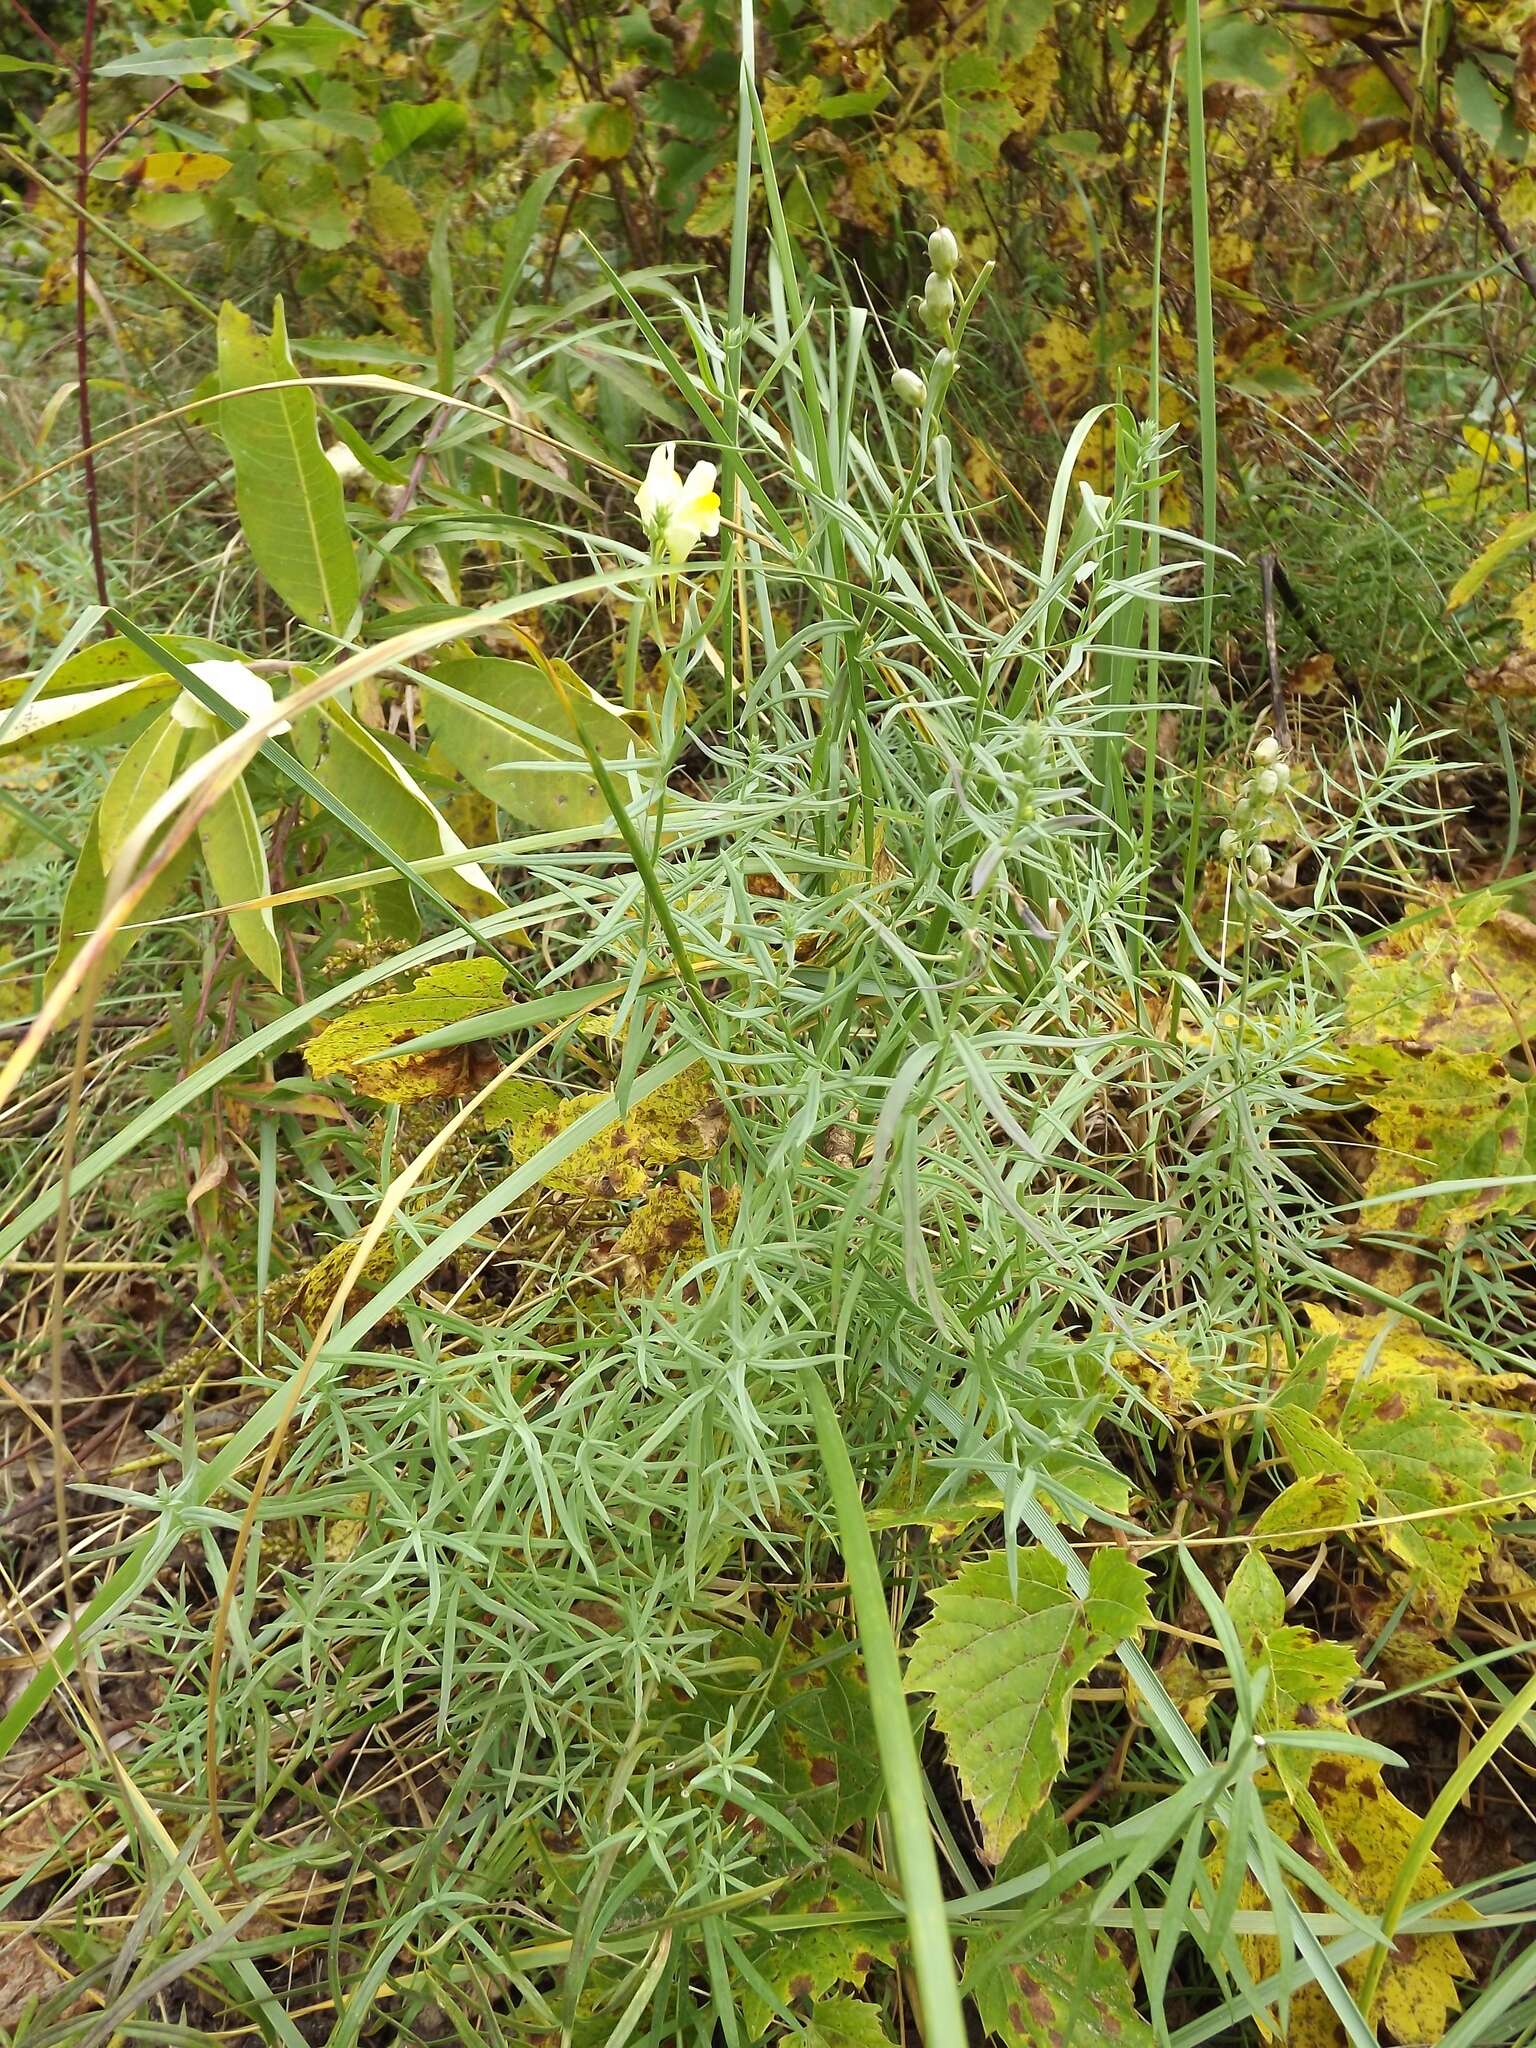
[[375, 785], [77, 716], [107, 662], [290, 500], [142, 776], [1516, 533], [230, 840], [533, 766], [86, 895]]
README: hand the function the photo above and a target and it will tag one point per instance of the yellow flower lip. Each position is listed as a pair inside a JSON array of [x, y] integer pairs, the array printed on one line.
[[677, 512]]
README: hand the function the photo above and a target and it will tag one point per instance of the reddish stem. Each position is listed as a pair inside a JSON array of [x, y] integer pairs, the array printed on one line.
[[82, 353]]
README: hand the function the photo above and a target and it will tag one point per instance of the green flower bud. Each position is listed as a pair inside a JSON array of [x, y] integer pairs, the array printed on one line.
[[944, 252], [938, 301], [908, 387]]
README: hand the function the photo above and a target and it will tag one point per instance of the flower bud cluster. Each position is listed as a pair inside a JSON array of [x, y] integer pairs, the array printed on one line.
[[936, 310], [1260, 795]]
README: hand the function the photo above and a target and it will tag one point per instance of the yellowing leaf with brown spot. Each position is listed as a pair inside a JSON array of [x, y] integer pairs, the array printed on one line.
[[1060, 364], [1306, 1508], [1164, 1371], [1444, 1118], [683, 1120], [1462, 980], [1372, 1830], [454, 992], [1436, 1472], [177, 170], [666, 1233]]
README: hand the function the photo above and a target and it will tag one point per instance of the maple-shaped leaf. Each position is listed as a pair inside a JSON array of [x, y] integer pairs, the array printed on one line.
[[1448, 1117], [1303, 1677], [853, 1925], [815, 1748], [1306, 1509], [1001, 1660], [1302, 1670], [1391, 1414], [1461, 981], [846, 2023], [1369, 1832]]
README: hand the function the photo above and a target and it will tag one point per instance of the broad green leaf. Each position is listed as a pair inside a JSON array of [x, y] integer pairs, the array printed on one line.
[[1301, 1670], [406, 124], [821, 1749], [855, 1926], [1444, 1118], [1323, 123], [191, 57], [1045, 1976], [230, 839], [851, 20], [1241, 51], [290, 501], [141, 778], [1517, 532], [1001, 1662], [978, 114], [454, 992], [536, 769], [809, 1708], [1478, 104], [368, 778], [1461, 981], [1013, 26], [845, 2023]]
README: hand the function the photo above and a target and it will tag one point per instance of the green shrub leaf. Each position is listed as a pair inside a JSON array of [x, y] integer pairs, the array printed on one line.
[[538, 771], [291, 505], [1001, 1661]]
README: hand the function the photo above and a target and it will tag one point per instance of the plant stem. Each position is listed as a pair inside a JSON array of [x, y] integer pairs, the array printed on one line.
[[82, 352], [1205, 337], [933, 1957]]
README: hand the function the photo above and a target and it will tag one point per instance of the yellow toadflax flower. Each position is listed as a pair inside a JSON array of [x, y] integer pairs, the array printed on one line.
[[677, 512]]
